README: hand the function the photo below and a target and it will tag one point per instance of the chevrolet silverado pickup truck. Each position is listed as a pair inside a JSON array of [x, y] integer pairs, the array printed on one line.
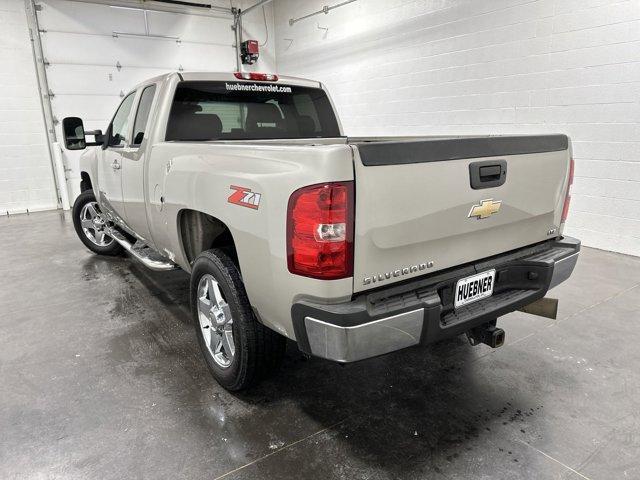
[[351, 247]]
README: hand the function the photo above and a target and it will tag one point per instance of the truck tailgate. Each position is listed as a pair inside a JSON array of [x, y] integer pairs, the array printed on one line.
[[430, 204]]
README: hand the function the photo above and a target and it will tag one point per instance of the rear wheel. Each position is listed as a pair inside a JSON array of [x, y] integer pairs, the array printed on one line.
[[90, 225], [237, 348]]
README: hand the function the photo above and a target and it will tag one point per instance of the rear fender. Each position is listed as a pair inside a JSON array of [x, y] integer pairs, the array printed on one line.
[[247, 188]]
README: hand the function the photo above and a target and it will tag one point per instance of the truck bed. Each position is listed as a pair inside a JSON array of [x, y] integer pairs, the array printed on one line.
[[415, 198]]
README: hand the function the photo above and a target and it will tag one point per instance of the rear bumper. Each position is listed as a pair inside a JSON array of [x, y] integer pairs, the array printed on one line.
[[421, 311]]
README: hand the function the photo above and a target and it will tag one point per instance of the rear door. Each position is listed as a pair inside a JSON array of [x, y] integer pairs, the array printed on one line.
[[428, 205], [133, 166], [110, 164]]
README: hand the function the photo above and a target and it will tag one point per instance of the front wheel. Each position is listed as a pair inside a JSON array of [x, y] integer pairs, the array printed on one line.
[[237, 348], [90, 225]]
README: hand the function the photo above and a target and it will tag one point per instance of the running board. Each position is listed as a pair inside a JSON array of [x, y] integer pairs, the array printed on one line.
[[141, 252]]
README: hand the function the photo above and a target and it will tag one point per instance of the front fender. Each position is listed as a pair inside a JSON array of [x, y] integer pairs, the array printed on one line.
[[88, 163]]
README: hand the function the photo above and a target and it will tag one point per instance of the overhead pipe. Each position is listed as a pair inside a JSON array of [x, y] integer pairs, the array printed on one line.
[[256, 5], [195, 5], [237, 30], [326, 9], [171, 6], [237, 27]]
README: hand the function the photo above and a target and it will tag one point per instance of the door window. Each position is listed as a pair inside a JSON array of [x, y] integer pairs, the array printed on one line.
[[120, 123], [142, 115]]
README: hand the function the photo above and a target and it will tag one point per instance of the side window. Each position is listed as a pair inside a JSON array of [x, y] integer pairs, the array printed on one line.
[[142, 115], [120, 123]]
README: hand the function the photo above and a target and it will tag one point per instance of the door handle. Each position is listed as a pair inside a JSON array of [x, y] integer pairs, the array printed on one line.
[[115, 165], [487, 174], [490, 173]]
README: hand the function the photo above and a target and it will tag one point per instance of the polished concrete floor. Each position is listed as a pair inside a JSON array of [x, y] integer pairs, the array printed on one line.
[[101, 378]]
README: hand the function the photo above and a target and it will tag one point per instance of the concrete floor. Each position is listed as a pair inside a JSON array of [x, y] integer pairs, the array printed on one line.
[[101, 378]]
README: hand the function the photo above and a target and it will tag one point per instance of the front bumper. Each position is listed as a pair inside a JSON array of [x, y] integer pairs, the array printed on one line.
[[421, 311]]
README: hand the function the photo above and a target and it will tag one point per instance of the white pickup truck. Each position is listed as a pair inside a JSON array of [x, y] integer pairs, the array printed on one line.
[[352, 247]]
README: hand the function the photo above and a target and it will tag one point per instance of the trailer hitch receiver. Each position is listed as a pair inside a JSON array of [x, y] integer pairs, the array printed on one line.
[[488, 334]]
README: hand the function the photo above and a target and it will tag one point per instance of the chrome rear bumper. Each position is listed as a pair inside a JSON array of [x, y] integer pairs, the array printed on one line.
[[421, 312], [349, 344], [562, 269]]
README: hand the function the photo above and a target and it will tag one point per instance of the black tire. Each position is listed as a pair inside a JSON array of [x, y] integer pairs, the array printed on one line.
[[258, 349], [112, 248]]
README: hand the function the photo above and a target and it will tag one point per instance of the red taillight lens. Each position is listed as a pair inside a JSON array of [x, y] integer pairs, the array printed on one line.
[[320, 231], [567, 198], [260, 77]]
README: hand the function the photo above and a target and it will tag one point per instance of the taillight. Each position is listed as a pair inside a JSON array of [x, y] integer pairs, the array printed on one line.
[[320, 231], [261, 77], [567, 198]]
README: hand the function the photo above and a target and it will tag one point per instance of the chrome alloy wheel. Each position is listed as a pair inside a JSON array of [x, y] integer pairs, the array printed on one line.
[[215, 320], [93, 225]]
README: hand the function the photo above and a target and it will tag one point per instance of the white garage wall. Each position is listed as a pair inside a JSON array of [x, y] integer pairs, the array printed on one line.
[[26, 178], [78, 42], [501, 66]]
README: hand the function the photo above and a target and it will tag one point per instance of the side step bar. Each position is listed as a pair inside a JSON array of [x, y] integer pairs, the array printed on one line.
[[141, 252]]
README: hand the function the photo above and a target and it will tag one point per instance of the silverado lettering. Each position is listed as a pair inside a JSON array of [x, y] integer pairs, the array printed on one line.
[[397, 273]]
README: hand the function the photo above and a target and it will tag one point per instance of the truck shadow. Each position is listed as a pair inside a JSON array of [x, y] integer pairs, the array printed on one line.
[[396, 413], [418, 408]]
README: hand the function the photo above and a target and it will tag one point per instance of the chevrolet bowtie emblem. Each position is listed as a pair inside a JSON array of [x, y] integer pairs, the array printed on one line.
[[485, 209]]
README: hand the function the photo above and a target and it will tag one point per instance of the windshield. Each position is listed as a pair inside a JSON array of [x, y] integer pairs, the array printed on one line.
[[249, 111]]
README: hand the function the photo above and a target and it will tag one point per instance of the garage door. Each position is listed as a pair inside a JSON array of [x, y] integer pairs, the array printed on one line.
[[96, 53], [26, 177]]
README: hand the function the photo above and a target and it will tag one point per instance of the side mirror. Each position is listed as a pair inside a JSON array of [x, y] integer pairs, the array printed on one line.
[[75, 134], [73, 131], [115, 140]]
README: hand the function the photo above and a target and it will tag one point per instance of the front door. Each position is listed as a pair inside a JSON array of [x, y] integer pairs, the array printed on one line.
[[110, 164]]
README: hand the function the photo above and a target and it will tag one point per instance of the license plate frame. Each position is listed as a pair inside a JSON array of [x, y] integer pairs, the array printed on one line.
[[480, 288]]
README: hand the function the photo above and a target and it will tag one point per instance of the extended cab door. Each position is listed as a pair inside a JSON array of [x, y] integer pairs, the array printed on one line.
[[134, 166], [110, 163]]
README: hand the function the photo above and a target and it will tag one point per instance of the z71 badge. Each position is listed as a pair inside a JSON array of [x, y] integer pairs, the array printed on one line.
[[244, 197]]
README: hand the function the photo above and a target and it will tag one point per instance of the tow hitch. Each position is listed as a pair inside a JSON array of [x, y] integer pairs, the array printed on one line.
[[488, 334]]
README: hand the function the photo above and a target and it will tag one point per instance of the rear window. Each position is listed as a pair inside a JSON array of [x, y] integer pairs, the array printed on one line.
[[249, 111]]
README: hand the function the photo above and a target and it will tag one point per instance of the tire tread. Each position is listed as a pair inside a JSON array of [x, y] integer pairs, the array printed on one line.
[[85, 197], [264, 349]]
